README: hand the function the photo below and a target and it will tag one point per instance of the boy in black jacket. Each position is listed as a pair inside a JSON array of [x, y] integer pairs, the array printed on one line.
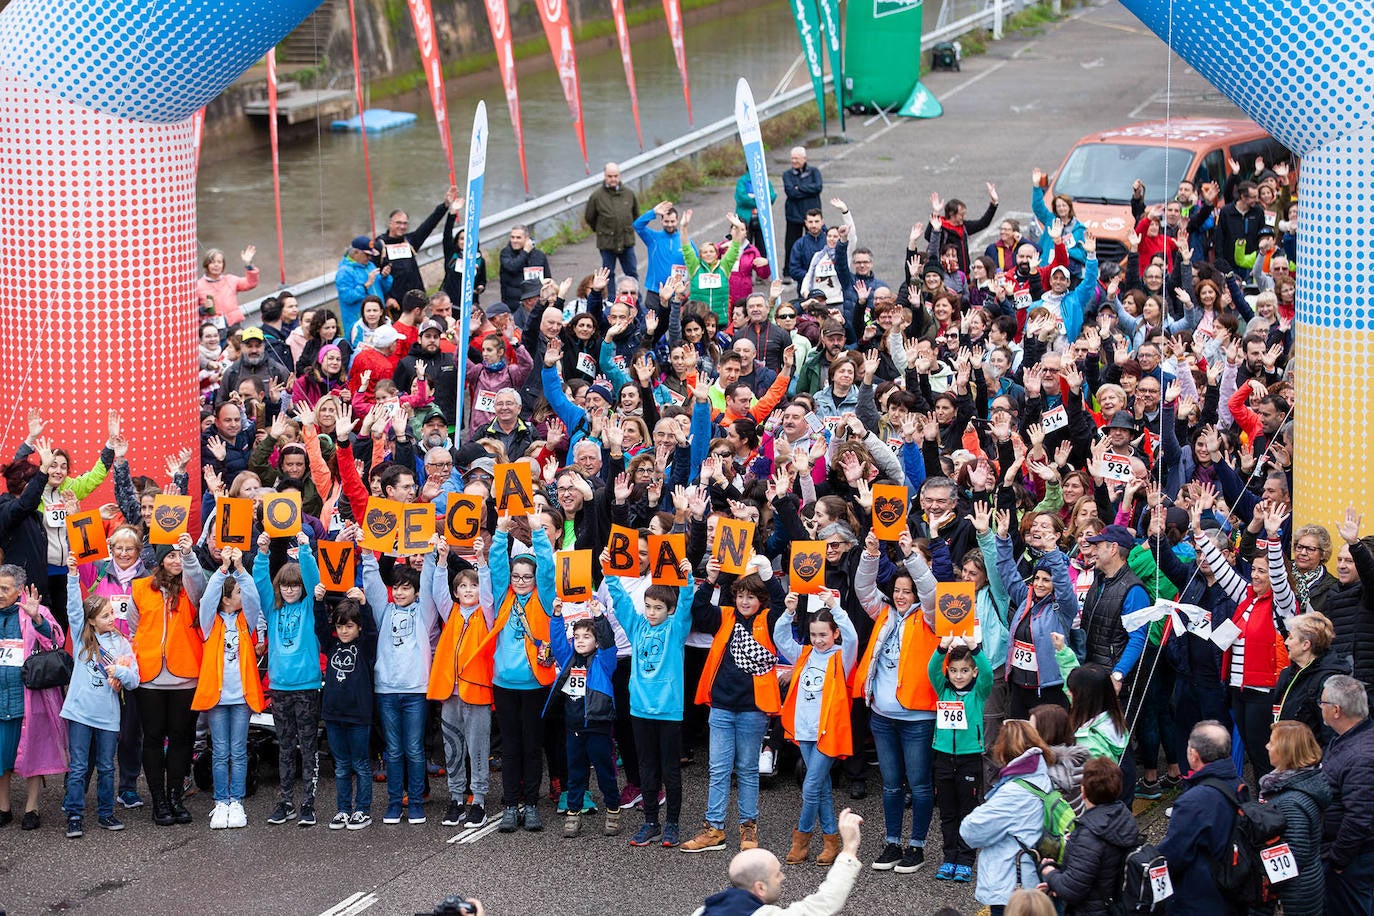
[[584, 687]]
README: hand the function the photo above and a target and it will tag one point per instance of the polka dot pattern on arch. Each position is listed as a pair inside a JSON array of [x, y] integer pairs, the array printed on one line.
[[146, 60]]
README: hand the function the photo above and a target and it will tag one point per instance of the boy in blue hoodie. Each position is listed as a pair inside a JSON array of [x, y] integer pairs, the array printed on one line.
[[293, 670], [658, 638], [584, 687], [406, 630]]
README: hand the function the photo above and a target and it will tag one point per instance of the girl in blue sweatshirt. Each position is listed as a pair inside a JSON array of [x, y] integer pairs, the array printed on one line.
[[818, 694], [105, 668], [406, 624], [658, 637], [293, 670]]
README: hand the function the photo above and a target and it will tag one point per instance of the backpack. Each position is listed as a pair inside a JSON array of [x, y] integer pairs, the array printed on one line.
[[1240, 874], [1139, 891], [1057, 819]]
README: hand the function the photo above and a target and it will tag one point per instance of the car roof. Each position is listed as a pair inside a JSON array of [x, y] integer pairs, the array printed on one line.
[[1183, 131]]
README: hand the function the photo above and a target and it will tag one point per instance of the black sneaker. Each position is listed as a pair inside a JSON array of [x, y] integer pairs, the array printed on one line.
[[282, 813], [1148, 789], [454, 816], [914, 858], [110, 822], [892, 854], [510, 820], [1169, 783], [476, 816], [74, 826], [307, 816]]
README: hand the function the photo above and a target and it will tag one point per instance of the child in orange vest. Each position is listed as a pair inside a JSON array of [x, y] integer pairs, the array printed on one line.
[[460, 678], [229, 688], [816, 714]]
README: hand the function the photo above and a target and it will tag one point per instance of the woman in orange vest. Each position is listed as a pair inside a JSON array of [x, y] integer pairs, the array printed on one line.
[[229, 689], [168, 646], [894, 679], [816, 714], [460, 678], [740, 684]]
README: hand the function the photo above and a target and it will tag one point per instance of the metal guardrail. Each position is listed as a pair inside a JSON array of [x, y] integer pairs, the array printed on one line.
[[320, 290]]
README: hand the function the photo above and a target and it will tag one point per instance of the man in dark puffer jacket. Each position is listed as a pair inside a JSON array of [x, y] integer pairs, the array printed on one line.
[[1350, 603], [1095, 854]]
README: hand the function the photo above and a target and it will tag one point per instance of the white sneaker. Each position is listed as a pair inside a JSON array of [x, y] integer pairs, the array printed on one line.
[[768, 762], [219, 818], [237, 818]]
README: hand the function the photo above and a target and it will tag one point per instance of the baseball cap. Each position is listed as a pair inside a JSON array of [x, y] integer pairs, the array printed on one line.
[[384, 336], [361, 243], [1059, 268], [248, 334], [483, 466], [429, 324], [1119, 535]]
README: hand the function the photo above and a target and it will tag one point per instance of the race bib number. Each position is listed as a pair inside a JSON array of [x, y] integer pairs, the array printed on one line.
[[586, 364], [1118, 467], [1271, 220], [1055, 419], [576, 684], [121, 605], [1279, 863], [825, 268], [11, 653], [534, 273], [1023, 656], [680, 272], [833, 424], [486, 402], [401, 252], [335, 520], [1161, 888], [1022, 298], [675, 398], [55, 517], [1278, 707], [620, 362], [895, 443], [950, 714], [708, 281]]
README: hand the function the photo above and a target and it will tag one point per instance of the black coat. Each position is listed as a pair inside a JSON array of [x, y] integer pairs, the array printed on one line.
[[22, 539], [1094, 858], [1351, 611], [513, 264], [1348, 827], [1302, 796], [441, 375], [1299, 690]]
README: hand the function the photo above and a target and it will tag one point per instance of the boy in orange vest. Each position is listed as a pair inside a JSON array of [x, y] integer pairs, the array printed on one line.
[[460, 678]]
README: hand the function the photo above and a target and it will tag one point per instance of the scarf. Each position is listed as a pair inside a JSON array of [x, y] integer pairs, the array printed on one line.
[[750, 657], [1303, 586], [497, 366], [1271, 784]]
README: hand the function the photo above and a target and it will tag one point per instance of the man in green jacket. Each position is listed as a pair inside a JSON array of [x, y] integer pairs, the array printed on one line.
[[611, 212]]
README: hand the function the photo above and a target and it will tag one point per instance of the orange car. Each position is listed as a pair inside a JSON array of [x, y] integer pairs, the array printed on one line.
[[1099, 171]]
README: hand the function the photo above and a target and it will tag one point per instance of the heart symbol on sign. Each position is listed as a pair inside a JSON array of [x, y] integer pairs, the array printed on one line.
[[380, 522], [169, 518], [888, 509], [807, 565], [955, 607]]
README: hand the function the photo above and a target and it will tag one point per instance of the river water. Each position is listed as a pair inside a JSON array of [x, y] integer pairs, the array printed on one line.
[[324, 196]]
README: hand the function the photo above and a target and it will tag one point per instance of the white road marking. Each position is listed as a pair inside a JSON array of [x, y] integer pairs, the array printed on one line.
[[486, 830], [351, 905]]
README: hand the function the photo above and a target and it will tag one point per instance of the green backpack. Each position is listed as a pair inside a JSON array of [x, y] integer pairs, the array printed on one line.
[[1057, 819]]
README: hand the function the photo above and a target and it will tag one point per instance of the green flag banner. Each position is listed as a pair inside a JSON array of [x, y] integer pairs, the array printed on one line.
[[809, 30], [830, 19], [886, 74]]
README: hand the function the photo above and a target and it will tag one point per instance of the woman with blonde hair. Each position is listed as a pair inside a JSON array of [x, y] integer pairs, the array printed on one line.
[[1311, 660], [1297, 788]]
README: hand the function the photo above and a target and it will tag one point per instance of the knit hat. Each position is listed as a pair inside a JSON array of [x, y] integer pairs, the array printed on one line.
[[161, 552], [603, 391], [325, 351]]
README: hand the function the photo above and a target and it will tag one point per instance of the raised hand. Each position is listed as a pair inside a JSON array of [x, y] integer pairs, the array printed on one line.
[[981, 517], [36, 424], [217, 447], [1349, 527]]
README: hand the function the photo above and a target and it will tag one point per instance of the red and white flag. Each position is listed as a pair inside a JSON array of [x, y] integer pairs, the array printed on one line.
[[558, 30], [423, 20], [672, 11], [276, 160], [622, 34], [499, 19]]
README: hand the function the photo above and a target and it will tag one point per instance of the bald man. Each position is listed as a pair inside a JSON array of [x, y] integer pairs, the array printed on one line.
[[802, 186], [611, 212], [1200, 829], [756, 881]]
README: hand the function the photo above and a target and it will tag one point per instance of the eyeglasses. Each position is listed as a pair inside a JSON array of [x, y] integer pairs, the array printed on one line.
[[1306, 548], [521, 577], [438, 464], [1328, 703], [787, 317], [567, 489]]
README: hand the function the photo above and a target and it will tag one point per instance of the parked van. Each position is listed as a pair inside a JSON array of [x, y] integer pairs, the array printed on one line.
[[1100, 169]]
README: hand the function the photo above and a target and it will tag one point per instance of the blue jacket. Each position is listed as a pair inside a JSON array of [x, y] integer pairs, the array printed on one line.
[[664, 251], [657, 688], [1199, 831], [90, 699], [598, 703], [405, 634], [1054, 614], [1010, 816], [293, 656], [350, 283], [1076, 301], [512, 664], [803, 250]]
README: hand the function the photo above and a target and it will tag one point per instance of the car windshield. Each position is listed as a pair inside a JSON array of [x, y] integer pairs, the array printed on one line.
[[1104, 172]]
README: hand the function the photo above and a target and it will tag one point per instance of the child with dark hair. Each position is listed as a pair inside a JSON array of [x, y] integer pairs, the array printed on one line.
[[349, 637], [962, 678], [584, 688]]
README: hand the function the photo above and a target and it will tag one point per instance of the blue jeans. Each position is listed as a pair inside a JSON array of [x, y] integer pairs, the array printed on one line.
[[736, 739], [591, 750], [348, 744], [818, 799], [629, 265], [904, 752], [79, 740], [403, 724], [229, 750]]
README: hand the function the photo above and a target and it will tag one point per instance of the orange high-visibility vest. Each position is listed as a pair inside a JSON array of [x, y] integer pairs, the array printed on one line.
[[464, 659], [918, 642], [212, 669], [165, 637], [536, 629], [834, 737], [766, 694]]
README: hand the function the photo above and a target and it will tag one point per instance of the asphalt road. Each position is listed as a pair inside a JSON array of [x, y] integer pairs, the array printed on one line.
[[1019, 106]]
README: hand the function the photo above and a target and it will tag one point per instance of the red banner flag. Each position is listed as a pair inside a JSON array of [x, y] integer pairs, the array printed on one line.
[[672, 11], [362, 122], [622, 34], [557, 29], [197, 127], [276, 160], [423, 20], [499, 20]]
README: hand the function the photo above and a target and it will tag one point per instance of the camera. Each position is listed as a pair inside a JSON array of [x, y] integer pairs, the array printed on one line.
[[452, 904]]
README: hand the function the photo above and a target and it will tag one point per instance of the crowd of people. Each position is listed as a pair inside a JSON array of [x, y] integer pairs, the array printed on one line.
[[1102, 451]]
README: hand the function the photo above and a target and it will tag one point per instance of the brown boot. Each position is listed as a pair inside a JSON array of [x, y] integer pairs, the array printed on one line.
[[831, 849], [710, 838], [801, 848], [748, 836]]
